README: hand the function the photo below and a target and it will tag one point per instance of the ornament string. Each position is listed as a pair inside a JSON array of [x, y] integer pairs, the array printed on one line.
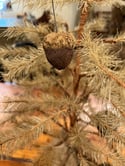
[[53, 8]]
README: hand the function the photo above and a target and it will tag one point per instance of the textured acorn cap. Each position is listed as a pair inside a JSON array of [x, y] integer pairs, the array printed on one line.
[[59, 48]]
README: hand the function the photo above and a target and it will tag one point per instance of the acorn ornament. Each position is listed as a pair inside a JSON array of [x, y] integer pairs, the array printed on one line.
[[59, 49]]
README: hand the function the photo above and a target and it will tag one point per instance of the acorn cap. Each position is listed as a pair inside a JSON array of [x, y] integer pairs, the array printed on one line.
[[59, 48]]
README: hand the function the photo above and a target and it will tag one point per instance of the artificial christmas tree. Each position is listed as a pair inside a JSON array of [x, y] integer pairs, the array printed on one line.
[[63, 111]]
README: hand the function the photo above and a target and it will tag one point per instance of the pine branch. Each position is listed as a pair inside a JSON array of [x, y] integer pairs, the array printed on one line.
[[34, 33], [25, 66], [30, 131], [12, 32], [9, 52], [40, 3], [101, 59], [112, 76]]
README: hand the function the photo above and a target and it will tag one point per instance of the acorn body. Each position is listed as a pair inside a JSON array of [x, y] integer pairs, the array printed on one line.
[[59, 49]]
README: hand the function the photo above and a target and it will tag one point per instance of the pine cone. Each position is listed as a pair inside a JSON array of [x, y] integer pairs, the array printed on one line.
[[59, 48]]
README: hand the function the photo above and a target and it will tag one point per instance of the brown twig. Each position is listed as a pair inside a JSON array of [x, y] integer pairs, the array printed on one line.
[[109, 41], [83, 18]]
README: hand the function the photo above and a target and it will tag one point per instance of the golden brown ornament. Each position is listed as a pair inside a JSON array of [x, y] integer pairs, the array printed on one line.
[[59, 49]]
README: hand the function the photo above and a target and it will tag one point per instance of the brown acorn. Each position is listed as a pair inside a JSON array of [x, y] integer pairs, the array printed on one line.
[[59, 49]]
